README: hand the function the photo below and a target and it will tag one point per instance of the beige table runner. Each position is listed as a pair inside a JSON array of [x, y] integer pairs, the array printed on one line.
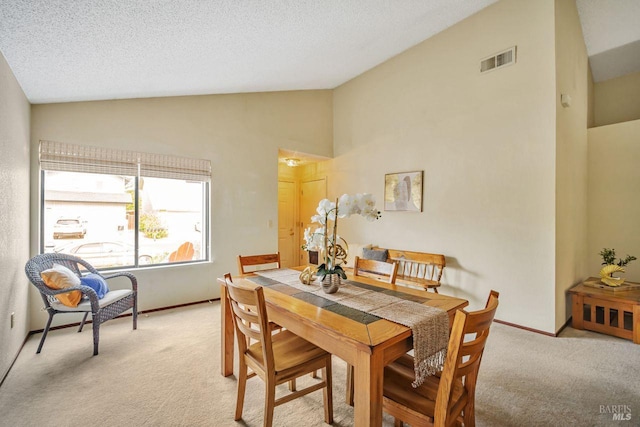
[[429, 325]]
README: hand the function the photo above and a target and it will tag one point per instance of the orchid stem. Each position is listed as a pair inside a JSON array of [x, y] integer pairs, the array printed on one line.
[[335, 237]]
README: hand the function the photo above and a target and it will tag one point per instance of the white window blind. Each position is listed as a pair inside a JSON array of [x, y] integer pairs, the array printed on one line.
[[60, 156]]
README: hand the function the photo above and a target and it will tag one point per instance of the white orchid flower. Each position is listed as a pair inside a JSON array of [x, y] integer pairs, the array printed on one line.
[[327, 209], [313, 240], [308, 235], [347, 206], [371, 215], [326, 237], [325, 206], [367, 204], [318, 236]]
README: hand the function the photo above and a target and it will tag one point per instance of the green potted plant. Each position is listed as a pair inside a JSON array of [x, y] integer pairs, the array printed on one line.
[[611, 267]]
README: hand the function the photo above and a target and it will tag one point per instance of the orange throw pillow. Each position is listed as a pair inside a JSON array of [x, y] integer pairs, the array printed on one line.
[[60, 277]]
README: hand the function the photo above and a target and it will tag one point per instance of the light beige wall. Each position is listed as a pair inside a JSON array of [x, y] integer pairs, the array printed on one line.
[[591, 116], [614, 186], [617, 100], [571, 156], [486, 144], [240, 134], [14, 226]]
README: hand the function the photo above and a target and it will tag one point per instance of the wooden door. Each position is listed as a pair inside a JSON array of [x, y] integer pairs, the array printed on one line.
[[311, 192], [287, 230]]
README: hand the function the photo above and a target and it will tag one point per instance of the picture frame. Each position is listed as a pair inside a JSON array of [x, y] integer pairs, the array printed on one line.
[[403, 191]]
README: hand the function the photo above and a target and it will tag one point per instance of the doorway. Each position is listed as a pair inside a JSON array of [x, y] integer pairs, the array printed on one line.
[[300, 187], [311, 192], [287, 224]]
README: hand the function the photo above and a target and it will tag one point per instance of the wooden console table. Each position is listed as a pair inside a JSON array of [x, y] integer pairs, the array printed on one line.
[[606, 311]]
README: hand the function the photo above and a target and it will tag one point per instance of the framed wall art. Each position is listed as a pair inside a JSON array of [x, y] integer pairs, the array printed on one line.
[[403, 191]]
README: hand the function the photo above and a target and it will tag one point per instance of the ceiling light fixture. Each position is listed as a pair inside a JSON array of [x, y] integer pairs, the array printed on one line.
[[292, 162]]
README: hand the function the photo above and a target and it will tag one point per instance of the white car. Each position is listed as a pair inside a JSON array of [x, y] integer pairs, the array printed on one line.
[[104, 254], [69, 227]]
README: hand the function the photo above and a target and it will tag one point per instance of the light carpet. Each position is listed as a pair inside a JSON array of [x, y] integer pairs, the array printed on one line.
[[167, 373]]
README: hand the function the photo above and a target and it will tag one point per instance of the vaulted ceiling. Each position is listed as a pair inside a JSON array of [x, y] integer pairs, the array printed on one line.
[[108, 49]]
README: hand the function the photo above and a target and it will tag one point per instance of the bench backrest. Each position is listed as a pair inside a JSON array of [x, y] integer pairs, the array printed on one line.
[[419, 265]]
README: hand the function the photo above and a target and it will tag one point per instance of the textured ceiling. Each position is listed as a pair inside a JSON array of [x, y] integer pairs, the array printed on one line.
[[61, 50]]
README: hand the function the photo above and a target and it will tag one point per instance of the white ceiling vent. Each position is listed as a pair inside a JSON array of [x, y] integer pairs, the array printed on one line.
[[502, 59]]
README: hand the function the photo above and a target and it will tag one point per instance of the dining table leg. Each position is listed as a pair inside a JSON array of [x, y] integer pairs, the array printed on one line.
[[369, 376], [226, 334]]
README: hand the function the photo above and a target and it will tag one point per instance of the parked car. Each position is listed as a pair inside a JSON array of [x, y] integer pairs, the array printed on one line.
[[69, 227], [104, 254]]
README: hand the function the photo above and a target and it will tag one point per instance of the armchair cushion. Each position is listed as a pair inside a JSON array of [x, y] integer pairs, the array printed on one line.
[[85, 305], [97, 283], [60, 277]]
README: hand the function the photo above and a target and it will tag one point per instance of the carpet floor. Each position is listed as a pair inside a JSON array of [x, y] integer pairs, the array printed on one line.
[[167, 373]]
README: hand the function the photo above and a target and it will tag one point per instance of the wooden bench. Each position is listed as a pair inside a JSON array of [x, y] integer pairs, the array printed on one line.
[[417, 268]]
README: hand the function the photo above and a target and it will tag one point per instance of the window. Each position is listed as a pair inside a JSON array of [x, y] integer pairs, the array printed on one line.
[[118, 208]]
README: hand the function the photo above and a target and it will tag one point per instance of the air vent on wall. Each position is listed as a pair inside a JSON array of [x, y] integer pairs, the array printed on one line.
[[498, 60]]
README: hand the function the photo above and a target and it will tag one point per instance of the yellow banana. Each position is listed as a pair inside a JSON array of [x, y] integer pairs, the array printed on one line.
[[606, 275]]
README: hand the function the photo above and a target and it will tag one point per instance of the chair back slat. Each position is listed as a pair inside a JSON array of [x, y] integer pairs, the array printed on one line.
[[251, 263], [468, 365], [246, 320], [369, 267]]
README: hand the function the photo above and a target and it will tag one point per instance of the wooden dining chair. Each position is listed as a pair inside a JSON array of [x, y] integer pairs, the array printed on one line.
[[248, 264], [449, 398], [276, 358], [380, 270], [251, 263]]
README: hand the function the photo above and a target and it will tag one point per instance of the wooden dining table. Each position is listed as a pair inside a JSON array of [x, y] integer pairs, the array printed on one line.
[[365, 341]]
